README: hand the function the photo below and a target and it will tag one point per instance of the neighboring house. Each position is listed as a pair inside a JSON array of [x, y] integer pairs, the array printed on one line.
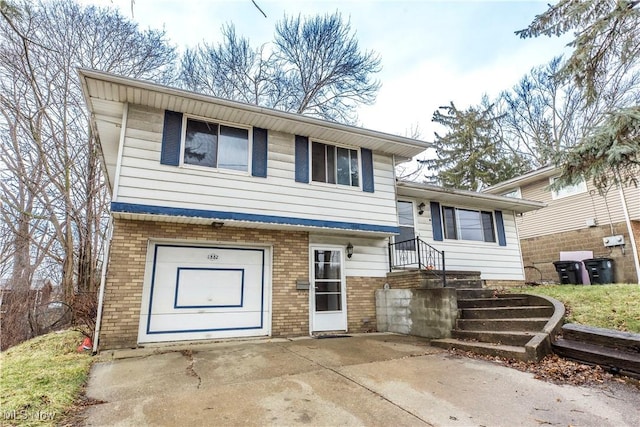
[[233, 220], [577, 219]]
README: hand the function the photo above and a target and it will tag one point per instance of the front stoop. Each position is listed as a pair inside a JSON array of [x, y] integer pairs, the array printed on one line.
[[504, 325], [616, 351]]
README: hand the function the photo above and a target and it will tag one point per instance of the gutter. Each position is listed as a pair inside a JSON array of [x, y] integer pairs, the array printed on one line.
[[103, 280]]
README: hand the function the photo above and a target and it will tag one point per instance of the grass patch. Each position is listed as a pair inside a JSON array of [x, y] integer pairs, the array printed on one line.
[[41, 378], [602, 306]]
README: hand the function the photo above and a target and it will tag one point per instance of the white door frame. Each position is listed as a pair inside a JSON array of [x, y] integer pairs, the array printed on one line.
[[342, 326]]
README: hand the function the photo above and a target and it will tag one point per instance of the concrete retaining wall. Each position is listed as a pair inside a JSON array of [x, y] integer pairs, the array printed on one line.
[[429, 313]]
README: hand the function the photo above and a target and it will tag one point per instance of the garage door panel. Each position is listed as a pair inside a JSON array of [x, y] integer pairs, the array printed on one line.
[[209, 288], [194, 322], [196, 292]]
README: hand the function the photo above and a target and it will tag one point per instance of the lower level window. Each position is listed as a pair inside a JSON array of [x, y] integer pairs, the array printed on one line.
[[464, 224], [216, 146]]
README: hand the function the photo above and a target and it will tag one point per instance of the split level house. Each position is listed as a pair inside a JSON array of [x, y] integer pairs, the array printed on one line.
[[233, 220], [579, 222]]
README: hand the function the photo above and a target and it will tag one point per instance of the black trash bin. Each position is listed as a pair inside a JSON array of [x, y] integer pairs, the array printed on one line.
[[600, 270], [570, 272]]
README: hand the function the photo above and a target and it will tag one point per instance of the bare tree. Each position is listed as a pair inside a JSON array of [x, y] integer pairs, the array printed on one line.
[[53, 196], [314, 67]]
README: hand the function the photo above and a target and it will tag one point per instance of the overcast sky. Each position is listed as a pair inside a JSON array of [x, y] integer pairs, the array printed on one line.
[[432, 52]]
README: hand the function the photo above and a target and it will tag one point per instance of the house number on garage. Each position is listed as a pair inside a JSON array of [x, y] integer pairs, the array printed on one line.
[[212, 257]]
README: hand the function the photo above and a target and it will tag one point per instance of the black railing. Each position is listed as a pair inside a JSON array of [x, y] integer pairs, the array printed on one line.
[[416, 253]]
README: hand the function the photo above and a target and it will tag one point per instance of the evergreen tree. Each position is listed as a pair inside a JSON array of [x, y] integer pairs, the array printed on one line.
[[606, 44], [471, 155]]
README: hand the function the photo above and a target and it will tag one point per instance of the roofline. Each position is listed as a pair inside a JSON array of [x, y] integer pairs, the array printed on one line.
[[285, 115], [466, 194], [526, 178]]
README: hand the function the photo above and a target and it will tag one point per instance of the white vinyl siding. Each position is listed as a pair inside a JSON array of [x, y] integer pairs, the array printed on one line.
[[493, 261], [145, 181], [572, 213], [370, 256]]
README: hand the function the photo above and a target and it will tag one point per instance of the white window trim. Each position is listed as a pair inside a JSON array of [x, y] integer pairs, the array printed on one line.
[[575, 189], [328, 184], [183, 138]]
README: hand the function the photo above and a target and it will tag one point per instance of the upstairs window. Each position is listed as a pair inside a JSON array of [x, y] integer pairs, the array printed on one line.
[[334, 165], [464, 224], [515, 193], [568, 190], [216, 146]]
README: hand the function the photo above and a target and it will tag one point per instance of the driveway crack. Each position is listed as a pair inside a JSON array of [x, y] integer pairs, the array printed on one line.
[[191, 372], [370, 390]]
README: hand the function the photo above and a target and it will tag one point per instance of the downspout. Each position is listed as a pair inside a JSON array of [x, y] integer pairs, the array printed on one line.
[[625, 210], [103, 280]]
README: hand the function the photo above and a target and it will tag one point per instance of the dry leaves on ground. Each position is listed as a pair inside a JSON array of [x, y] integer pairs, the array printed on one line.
[[557, 370]]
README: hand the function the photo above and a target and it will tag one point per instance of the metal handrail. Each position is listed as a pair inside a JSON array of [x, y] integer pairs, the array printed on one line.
[[416, 253]]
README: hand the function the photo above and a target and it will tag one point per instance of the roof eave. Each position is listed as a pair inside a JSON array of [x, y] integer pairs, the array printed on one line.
[[394, 144], [464, 197]]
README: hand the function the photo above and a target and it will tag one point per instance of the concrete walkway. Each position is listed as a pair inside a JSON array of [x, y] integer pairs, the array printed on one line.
[[374, 380]]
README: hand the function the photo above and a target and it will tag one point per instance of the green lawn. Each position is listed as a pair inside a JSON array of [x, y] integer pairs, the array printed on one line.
[[41, 378], [604, 306]]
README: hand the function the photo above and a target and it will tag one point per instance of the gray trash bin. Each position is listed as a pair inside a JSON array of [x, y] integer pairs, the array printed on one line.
[[569, 272], [600, 270]]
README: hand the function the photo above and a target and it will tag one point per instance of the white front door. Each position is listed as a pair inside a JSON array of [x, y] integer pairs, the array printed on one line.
[[328, 302]]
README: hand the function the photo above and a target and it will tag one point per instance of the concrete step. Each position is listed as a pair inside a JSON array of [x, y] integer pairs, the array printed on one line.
[[466, 293], [616, 360], [464, 283], [492, 302], [507, 312], [625, 341], [488, 349], [517, 338], [527, 324]]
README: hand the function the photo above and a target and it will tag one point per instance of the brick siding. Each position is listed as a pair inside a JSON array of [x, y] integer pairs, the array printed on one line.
[[123, 290], [290, 307], [361, 303], [540, 252]]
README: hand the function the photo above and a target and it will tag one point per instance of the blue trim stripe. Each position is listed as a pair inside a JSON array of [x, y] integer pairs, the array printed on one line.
[[238, 305], [209, 329], [135, 208]]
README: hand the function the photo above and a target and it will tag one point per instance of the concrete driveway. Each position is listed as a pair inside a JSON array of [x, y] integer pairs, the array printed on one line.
[[374, 379]]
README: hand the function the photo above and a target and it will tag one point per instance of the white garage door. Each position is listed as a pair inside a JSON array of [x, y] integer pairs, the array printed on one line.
[[196, 292]]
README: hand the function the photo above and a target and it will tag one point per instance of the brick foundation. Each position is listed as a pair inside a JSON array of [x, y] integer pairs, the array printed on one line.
[[290, 307], [361, 303], [123, 290], [540, 252], [502, 284]]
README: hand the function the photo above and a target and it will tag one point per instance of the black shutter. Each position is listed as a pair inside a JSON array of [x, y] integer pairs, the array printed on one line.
[[436, 221], [171, 136], [259, 157], [302, 159], [367, 170], [502, 238]]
